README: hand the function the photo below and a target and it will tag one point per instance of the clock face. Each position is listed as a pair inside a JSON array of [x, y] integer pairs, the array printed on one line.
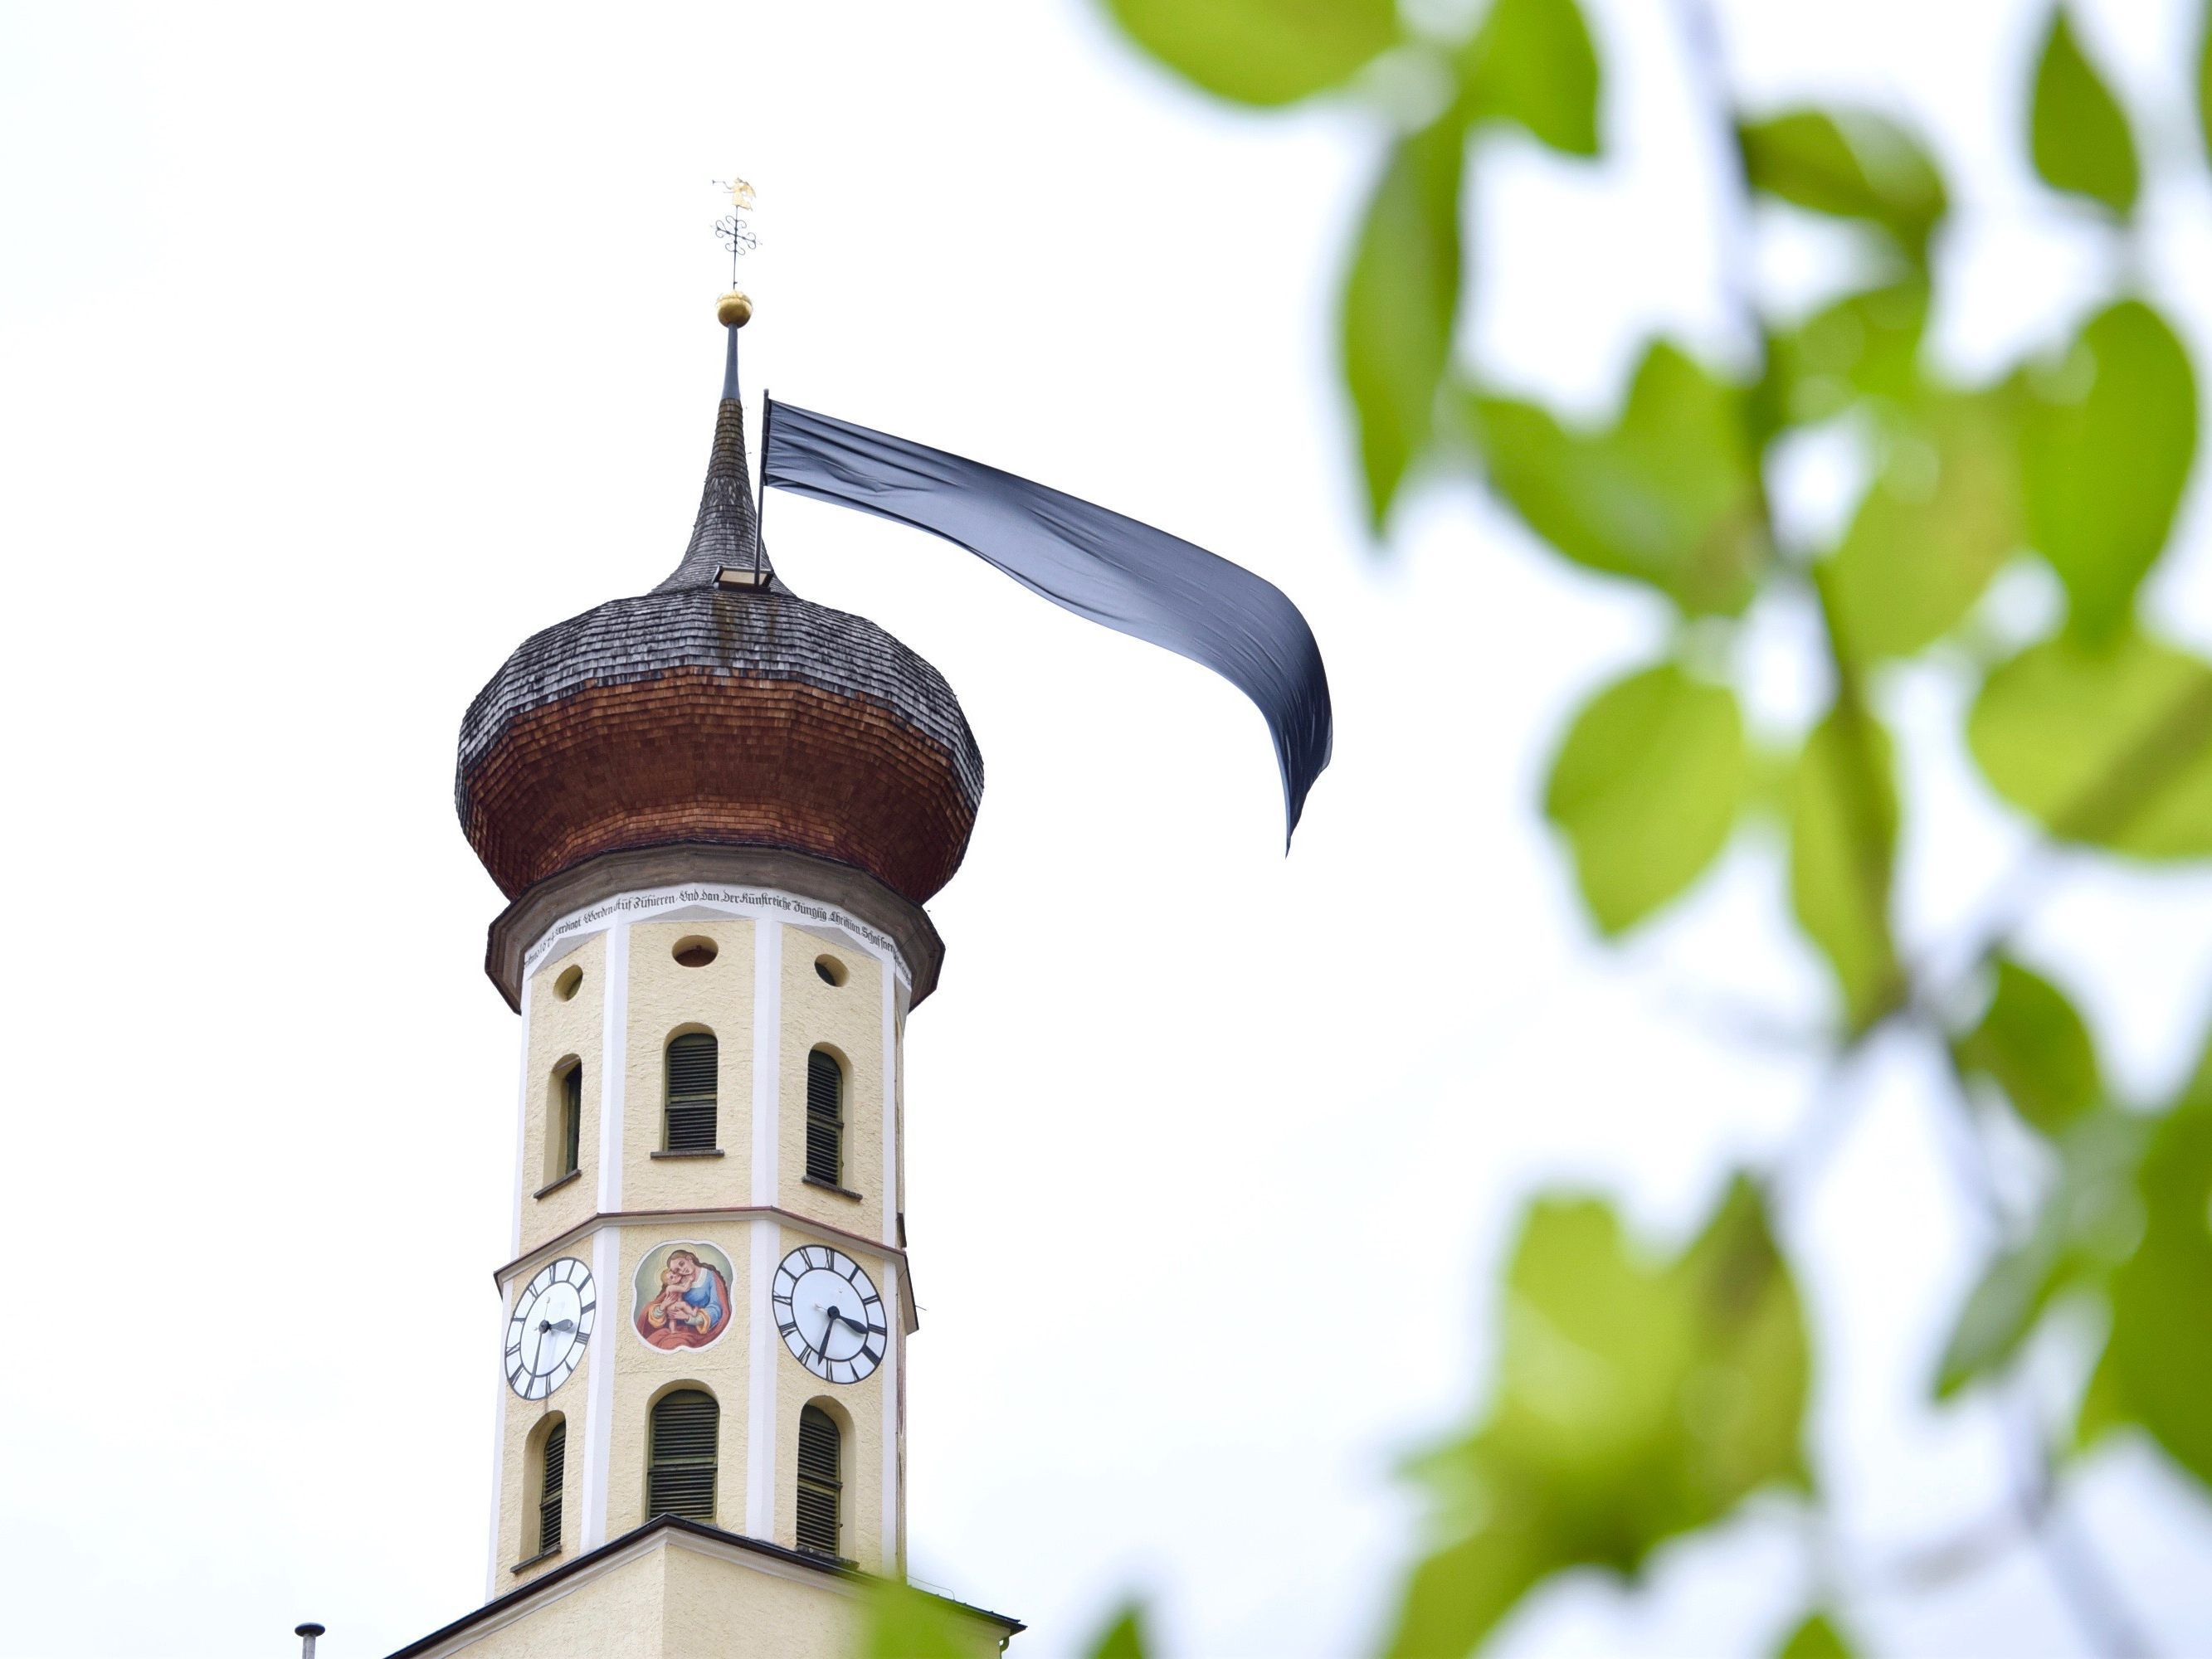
[[552, 1323], [831, 1318]]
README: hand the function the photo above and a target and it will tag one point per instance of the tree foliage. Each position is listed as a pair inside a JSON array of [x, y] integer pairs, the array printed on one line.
[[1637, 1400], [1640, 1394]]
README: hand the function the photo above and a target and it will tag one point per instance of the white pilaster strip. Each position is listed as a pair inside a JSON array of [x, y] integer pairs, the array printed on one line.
[[600, 1401], [760, 1398], [894, 1562], [768, 1052], [521, 1123], [614, 1032], [499, 1369], [492, 1590], [891, 1076], [894, 1339]]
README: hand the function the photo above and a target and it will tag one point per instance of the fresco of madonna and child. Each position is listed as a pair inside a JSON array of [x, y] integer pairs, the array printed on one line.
[[683, 1296]]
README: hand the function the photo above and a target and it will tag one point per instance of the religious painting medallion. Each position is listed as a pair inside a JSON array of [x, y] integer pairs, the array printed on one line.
[[682, 1296], [831, 1318], [552, 1325]]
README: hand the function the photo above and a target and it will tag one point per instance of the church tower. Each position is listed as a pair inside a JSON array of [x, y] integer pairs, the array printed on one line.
[[716, 810]]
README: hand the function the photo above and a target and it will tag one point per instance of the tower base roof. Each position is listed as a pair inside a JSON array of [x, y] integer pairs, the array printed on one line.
[[682, 1589]]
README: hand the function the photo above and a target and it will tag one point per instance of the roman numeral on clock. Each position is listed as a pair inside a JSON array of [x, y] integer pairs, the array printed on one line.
[[822, 1301]]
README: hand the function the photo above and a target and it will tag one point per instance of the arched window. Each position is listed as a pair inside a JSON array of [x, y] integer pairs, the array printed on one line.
[[553, 1468], [691, 1061], [825, 1118], [566, 1143], [820, 1452], [680, 1462]]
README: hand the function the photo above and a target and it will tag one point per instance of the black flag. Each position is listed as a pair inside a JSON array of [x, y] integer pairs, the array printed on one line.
[[1129, 576]]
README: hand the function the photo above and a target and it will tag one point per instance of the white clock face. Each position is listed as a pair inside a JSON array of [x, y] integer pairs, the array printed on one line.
[[831, 1318], [552, 1323]]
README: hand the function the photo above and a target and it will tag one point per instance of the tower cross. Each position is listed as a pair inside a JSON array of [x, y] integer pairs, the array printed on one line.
[[736, 234]]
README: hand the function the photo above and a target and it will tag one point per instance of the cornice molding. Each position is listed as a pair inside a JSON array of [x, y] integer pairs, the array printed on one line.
[[523, 922], [535, 1257]]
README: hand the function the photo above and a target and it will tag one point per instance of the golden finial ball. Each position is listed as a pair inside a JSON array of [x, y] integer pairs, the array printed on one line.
[[733, 310]]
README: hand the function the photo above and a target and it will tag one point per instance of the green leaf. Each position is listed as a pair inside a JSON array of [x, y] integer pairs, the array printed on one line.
[[1816, 1638], [1532, 62], [1125, 1638], [1646, 786], [1670, 496], [2160, 1350], [1842, 845], [1941, 517], [1400, 298], [1455, 1595], [1852, 164], [1260, 52], [2198, 1090], [1863, 345], [2088, 1221], [904, 1622], [2204, 79], [2032, 1044], [2108, 436], [2077, 132], [2109, 745], [1636, 1400], [2103, 1409]]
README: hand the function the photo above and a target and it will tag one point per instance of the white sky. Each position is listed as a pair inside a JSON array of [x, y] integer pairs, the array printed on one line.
[[340, 349]]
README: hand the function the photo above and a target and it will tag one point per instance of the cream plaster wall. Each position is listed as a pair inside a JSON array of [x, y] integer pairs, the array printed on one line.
[[518, 1516], [666, 997], [897, 1233], [861, 1406], [617, 1614], [788, 1617], [558, 1029], [848, 1017], [643, 1373]]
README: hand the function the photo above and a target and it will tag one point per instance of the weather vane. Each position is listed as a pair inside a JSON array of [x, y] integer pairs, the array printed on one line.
[[736, 234]]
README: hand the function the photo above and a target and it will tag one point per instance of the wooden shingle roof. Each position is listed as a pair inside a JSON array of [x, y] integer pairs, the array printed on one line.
[[722, 714]]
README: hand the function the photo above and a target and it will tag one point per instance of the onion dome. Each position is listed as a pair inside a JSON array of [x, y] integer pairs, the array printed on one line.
[[718, 709]]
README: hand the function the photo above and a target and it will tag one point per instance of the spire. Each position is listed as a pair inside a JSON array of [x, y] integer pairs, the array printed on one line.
[[725, 549], [725, 535]]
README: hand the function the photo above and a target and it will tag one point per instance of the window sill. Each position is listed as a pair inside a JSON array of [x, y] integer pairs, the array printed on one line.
[[832, 1186], [558, 1182], [542, 1556], [703, 1151]]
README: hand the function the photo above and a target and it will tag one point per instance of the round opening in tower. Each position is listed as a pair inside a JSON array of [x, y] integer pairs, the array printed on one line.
[[695, 951], [832, 970], [565, 987]]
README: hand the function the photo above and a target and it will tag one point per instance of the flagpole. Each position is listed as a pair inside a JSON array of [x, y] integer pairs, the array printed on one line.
[[760, 508]]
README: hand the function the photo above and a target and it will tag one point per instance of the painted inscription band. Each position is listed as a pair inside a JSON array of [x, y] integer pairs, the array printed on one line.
[[695, 902]]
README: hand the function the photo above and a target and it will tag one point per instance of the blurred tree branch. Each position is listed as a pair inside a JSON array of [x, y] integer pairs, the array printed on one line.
[[2097, 735]]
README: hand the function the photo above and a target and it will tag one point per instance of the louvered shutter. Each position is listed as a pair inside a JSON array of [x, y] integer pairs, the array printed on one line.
[[549, 1506], [680, 1480], [825, 1117], [691, 1062], [572, 1116], [819, 1487]]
